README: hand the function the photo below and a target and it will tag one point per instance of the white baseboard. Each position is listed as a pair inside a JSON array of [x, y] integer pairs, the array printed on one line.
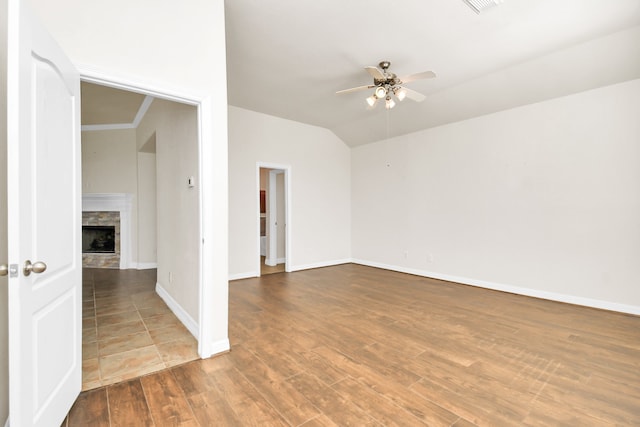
[[221, 346], [238, 276], [320, 264], [144, 265], [177, 309], [552, 296], [214, 348]]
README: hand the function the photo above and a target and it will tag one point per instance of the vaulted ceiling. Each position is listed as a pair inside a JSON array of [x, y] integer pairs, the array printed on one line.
[[287, 58]]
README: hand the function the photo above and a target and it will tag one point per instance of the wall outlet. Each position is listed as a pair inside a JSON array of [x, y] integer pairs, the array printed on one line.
[[405, 254], [429, 257], [170, 277]]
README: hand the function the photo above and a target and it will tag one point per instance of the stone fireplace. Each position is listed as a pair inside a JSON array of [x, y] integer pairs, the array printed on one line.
[[101, 239], [106, 232]]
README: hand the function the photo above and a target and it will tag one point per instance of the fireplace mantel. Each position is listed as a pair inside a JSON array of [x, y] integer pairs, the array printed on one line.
[[114, 202]]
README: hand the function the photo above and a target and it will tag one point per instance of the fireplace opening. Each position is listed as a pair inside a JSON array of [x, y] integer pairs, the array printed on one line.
[[98, 239]]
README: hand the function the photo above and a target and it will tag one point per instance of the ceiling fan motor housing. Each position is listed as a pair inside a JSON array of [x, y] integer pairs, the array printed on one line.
[[390, 78]]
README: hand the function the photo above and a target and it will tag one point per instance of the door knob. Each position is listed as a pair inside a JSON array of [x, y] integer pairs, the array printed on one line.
[[4, 270], [36, 267]]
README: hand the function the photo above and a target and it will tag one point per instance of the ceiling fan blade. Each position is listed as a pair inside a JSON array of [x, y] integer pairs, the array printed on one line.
[[375, 73], [354, 89], [418, 76], [413, 95]]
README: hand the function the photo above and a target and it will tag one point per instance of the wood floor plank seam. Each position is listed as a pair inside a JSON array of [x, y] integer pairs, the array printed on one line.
[[388, 400], [106, 390], [265, 397], [184, 395]]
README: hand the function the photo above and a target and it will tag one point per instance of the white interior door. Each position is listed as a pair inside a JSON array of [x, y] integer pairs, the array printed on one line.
[[44, 218]]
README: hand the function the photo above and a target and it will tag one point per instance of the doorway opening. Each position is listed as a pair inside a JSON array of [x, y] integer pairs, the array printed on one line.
[[273, 217], [134, 316]]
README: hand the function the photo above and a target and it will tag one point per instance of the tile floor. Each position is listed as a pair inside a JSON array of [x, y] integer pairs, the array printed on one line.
[[128, 330]]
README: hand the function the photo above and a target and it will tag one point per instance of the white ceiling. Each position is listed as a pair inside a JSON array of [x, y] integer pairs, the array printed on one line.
[[287, 58]]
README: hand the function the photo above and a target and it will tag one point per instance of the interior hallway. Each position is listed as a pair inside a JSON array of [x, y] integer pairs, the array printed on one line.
[[127, 329]]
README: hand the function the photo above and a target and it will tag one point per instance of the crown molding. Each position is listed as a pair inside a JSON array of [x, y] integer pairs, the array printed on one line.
[[144, 107]]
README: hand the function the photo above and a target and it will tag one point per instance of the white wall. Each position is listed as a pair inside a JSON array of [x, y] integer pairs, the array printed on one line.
[[109, 161], [176, 46], [109, 166], [175, 127], [543, 200], [147, 224], [4, 337], [320, 190]]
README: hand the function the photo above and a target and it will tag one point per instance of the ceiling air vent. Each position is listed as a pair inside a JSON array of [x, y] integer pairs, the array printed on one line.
[[482, 5]]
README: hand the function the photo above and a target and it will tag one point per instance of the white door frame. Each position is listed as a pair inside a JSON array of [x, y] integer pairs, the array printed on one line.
[[206, 176], [287, 211]]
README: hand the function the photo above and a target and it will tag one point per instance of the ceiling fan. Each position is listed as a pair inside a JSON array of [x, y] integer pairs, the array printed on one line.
[[387, 84]]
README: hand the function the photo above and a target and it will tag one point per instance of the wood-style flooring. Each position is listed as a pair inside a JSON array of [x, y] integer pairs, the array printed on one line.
[[353, 345], [127, 329]]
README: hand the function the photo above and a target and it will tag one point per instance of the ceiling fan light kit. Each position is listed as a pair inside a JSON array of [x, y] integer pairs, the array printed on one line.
[[380, 92], [400, 93], [386, 84], [389, 104]]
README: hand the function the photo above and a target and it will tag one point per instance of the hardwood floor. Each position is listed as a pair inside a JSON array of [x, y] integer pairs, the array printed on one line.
[[127, 329], [353, 345]]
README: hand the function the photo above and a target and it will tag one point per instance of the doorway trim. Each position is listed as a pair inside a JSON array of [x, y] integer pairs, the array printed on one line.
[[287, 212], [206, 346]]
